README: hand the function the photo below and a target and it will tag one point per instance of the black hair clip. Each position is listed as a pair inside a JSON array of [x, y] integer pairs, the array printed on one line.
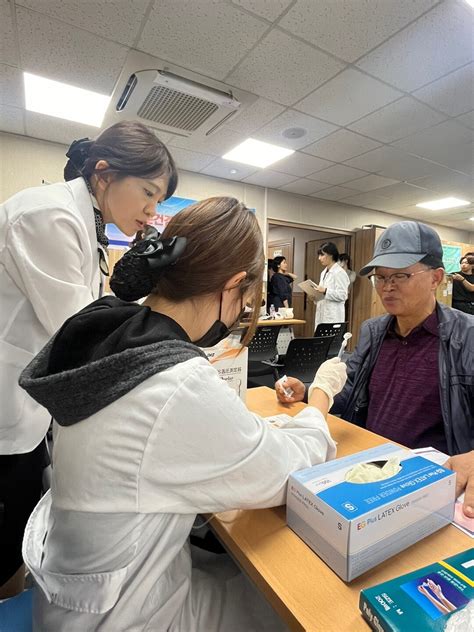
[[160, 253], [79, 151]]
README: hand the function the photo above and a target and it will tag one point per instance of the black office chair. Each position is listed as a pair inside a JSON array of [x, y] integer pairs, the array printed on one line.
[[304, 357], [262, 352], [335, 331]]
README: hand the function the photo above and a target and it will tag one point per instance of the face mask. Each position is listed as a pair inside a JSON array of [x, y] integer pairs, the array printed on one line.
[[218, 331]]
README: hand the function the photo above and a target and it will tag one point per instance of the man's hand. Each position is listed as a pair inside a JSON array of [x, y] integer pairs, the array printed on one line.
[[321, 288], [458, 277], [463, 465], [296, 386]]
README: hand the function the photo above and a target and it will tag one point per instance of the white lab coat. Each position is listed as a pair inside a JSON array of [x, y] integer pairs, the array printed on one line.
[[331, 309], [48, 271], [108, 547]]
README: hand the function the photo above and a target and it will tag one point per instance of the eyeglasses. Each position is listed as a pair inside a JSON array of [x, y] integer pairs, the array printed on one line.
[[399, 278]]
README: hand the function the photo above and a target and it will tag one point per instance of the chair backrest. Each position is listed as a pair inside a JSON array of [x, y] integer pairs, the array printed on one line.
[[334, 330], [304, 357], [16, 613], [264, 344]]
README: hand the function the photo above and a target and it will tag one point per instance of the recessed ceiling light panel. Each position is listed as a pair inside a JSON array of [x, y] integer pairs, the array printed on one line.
[[258, 154], [64, 101], [444, 203]]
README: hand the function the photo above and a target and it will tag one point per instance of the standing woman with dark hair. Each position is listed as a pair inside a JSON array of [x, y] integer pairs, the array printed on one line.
[[334, 284], [463, 285], [147, 435], [280, 290], [52, 244]]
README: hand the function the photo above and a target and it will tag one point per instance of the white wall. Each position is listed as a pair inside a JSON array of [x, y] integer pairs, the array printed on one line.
[[301, 236], [25, 161]]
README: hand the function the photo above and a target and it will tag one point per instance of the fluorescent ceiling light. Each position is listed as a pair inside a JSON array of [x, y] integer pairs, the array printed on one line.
[[470, 3], [449, 202], [64, 101], [258, 154]]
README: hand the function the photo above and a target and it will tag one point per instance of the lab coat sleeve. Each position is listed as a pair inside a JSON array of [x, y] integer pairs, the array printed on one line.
[[45, 259], [339, 288], [209, 453]]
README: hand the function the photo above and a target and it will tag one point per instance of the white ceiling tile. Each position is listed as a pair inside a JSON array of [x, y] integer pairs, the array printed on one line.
[[57, 130], [434, 45], [299, 164], [397, 120], [334, 193], [348, 97], [452, 94], [371, 182], [117, 20], [11, 119], [57, 51], [402, 194], [449, 183], [269, 178], [350, 28], [165, 137], [11, 86], [467, 119], [217, 144], [368, 200], [208, 36], [394, 163], [448, 144], [190, 160], [254, 116], [272, 72], [338, 174], [221, 168], [303, 187], [273, 132], [269, 9], [8, 47], [341, 146]]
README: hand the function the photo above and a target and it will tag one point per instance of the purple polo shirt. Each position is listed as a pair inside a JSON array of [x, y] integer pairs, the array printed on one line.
[[404, 401]]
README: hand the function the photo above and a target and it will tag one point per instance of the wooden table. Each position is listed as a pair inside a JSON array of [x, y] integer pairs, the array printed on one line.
[[280, 322], [305, 592]]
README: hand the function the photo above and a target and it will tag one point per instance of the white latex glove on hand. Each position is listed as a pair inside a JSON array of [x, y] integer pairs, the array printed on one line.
[[330, 378]]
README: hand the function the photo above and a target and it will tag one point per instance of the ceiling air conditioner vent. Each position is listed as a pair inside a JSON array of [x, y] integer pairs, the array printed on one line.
[[167, 106], [172, 100]]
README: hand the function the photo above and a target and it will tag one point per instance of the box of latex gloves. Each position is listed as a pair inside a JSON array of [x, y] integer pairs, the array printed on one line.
[[357, 511], [230, 361]]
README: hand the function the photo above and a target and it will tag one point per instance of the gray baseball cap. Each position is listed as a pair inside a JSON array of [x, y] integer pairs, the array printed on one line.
[[405, 243]]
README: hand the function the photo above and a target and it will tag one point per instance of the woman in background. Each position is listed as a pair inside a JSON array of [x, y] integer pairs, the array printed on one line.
[[463, 285], [345, 263], [147, 435], [280, 285], [52, 244], [334, 284]]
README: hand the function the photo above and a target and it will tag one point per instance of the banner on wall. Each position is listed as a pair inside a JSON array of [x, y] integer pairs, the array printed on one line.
[[165, 211], [451, 257]]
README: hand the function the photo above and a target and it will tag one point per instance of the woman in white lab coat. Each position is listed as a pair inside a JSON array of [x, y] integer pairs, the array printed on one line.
[[52, 244], [334, 284], [147, 436]]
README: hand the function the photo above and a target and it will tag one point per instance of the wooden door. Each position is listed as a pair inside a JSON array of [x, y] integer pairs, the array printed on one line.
[[313, 270], [366, 302], [282, 249]]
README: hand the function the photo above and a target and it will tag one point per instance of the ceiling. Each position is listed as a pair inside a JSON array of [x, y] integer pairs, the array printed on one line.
[[383, 88]]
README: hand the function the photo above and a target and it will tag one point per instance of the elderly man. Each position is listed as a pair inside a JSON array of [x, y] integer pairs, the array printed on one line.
[[411, 376]]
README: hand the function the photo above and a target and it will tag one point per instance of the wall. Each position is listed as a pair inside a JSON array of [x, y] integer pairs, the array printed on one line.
[[301, 236], [25, 161]]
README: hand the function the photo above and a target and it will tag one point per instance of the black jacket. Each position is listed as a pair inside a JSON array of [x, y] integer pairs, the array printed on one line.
[[456, 375]]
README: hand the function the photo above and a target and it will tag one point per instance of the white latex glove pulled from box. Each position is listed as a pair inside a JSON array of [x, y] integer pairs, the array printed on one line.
[[330, 378]]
